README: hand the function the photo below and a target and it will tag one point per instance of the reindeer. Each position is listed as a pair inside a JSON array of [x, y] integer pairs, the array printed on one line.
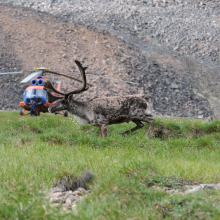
[[101, 112]]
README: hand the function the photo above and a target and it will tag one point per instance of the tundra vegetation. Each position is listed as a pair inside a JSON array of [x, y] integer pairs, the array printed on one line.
[[36, 151]]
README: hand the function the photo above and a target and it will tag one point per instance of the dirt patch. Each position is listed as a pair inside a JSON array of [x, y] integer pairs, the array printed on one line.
[[32, 39], [58, 141], [154, 179], [215, 128], [51, 141], [168, 183], [197, 132], [165, 208], [21, 142], [163, 133], [69, 143], [69, 182], [29, 128]]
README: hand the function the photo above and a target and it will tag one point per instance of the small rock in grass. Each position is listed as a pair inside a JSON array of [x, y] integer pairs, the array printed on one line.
[[77, 193], [57, 189], [82, 190], [56, 200], [72, 197], [68, 202], [208, 186], [58, 194], [195, 189], [67, 196]]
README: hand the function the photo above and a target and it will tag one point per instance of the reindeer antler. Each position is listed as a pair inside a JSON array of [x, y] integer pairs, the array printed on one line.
[[49, 87], [52, 98]]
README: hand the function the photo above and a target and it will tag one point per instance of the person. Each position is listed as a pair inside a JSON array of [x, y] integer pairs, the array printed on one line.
[[33, 112], [209, 119]]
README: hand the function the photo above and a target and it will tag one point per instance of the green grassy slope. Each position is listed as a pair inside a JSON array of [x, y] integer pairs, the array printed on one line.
[[35, 151]]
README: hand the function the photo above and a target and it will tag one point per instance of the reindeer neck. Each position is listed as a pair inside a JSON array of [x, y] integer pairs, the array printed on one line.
[[78, 108]]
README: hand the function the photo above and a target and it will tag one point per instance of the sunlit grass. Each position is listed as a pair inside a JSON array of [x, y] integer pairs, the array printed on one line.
[[37, 150]]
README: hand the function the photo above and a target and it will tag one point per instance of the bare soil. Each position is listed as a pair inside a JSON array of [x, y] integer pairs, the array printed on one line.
[[32, 39]]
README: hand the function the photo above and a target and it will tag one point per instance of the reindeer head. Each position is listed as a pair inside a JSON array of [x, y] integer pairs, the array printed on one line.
[[59, 106], [64, 102]]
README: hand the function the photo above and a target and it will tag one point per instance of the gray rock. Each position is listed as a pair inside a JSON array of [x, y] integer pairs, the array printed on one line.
[[68, 202], [72, 197], [164, 34], [168, 81], [209, 186], [57, 189], [174, 86], [56, 200], [195, 189], [57, 194], [69, 183]]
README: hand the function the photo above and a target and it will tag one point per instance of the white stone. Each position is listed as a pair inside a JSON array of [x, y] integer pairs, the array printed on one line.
[[208, 186], [55, 200], [77, 193], [55, 194], [195, 189], [82, 190], [68, 202]]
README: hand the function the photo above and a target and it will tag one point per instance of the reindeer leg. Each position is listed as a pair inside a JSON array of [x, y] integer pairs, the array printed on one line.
[[139, 125], [146, 119], [100, 131], [103, 130], [151, 123]]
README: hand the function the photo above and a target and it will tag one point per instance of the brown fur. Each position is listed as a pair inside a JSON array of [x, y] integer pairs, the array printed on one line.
[[103, 111]]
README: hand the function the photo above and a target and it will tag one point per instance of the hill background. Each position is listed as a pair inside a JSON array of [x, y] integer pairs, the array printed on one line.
[[171, 48]]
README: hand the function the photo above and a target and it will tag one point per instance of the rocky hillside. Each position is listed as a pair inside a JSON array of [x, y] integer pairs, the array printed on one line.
[[169, 47]]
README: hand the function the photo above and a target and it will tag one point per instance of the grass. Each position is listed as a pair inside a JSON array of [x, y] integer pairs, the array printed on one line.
[[35, 151]]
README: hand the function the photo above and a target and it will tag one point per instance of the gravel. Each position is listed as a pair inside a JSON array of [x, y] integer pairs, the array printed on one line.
[[186, 32], [190, 27]]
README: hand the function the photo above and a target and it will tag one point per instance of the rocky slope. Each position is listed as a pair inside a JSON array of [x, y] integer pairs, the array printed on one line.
[[169, 47]]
